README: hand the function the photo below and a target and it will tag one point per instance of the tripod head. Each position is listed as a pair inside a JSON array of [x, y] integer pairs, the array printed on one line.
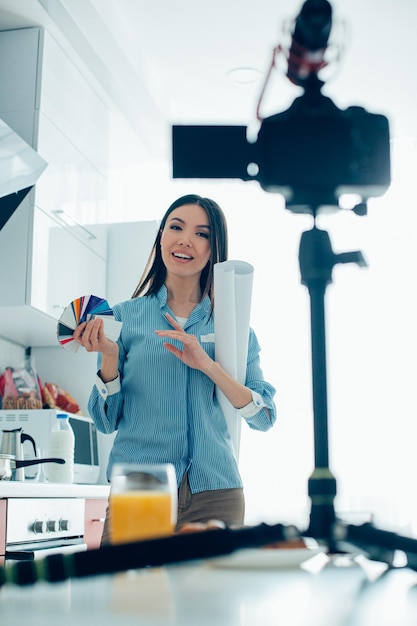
[[313, 152]]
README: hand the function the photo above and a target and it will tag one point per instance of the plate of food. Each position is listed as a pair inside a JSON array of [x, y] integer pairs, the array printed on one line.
[[274, 556]]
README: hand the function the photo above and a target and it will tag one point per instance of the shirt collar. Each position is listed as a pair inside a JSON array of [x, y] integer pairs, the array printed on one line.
[[203, 308]]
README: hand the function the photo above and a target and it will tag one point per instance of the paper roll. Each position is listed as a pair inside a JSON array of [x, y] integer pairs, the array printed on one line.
[[233, 282]]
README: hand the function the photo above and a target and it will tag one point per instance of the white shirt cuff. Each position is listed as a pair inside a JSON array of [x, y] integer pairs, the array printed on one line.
[[107, 389], [253, 407]]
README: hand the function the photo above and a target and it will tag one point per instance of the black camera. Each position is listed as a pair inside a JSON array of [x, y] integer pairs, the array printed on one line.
[[311, 153], [314, 152]]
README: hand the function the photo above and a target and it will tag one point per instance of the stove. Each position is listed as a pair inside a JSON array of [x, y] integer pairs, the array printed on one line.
[[37, 527]]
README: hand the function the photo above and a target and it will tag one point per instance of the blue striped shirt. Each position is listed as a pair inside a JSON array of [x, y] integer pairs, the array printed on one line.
[[167, 412]]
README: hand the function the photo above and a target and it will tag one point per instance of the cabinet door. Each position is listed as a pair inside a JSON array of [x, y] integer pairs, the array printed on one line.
[[95, 514], [19, 76], [64, 267], [71, 188], [128, 248]]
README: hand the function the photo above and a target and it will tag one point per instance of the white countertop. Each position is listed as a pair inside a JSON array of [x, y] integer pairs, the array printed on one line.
[[33, 489], [190, 594]]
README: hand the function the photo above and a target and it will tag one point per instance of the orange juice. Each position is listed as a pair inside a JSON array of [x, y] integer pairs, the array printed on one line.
[[137, 515]]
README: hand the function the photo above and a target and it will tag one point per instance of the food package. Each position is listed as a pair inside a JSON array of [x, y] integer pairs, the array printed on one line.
[[19, 388], [55, 397]]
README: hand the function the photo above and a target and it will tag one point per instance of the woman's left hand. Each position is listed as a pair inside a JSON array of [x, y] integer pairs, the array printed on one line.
[[192, 353]]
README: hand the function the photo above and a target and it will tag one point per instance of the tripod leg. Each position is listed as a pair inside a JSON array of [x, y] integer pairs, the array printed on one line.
[[376, 544]]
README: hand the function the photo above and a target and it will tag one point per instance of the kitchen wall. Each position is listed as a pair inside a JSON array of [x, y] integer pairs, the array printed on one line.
[[10, 353]]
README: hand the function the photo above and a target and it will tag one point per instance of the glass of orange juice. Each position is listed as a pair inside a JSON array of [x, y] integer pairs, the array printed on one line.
[[143, 501]]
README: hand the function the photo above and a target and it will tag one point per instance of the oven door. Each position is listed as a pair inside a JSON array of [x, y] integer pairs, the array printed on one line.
[[39, 550], [37, 527]]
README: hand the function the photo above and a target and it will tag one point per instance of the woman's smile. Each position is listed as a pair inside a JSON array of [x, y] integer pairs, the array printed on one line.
[[182, 256]]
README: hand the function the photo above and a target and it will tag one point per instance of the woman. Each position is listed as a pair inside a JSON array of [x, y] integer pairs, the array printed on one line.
[[156, 385]]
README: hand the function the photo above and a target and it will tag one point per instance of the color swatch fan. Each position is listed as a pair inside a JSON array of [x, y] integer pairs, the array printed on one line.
[[82, 310]]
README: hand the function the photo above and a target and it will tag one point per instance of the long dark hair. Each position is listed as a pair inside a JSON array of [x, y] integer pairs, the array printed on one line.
[[154, 274]]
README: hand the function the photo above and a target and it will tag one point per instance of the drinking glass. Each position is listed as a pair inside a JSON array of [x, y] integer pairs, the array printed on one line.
[[143, 501]]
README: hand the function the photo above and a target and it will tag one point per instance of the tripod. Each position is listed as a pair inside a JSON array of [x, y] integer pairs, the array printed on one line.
[[317, 259]]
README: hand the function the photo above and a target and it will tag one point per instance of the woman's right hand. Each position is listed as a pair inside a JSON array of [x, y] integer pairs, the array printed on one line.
[[91, 336]]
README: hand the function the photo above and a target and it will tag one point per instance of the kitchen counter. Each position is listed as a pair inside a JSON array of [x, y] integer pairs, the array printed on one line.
[[33, 489], [350, 594]]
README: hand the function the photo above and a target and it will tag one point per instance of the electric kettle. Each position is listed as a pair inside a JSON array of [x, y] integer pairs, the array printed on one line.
[[12, 444]]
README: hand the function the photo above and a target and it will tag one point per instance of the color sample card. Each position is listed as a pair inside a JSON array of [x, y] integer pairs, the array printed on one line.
[[82, 310]]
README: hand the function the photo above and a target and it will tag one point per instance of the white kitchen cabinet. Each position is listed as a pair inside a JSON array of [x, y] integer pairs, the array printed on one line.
[[73, 137], [64, 267], [128, 247], [54, 247]]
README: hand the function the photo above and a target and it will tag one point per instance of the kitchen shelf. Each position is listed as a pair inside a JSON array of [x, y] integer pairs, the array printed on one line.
[[28, 326]]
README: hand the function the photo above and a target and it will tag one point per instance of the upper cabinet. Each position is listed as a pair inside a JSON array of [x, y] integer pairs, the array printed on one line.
[[54, 247], [73, 137]]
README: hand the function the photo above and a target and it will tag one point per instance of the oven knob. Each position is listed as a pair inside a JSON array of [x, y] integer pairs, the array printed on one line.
[[39, 526], [53, 525], [64, 524]]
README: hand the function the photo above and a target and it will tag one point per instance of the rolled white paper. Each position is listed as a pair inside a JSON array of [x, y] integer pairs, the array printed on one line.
[[233, 282]]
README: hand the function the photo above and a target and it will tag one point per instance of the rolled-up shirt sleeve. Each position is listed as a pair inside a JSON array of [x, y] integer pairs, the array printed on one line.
[[105, 413], [105, 403], [262, 419], [107, 389]]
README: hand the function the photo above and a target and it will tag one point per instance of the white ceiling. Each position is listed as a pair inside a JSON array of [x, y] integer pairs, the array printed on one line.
[[167, 61]]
